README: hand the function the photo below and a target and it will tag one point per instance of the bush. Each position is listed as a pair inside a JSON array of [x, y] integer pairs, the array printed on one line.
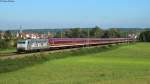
[[7, 43]]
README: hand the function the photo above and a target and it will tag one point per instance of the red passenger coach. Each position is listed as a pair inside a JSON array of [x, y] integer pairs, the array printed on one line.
[[72, 42]]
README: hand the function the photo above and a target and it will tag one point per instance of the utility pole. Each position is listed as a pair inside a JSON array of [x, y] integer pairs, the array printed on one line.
[[20, 32], [20, 29], [127, 37], [61, 33], [88, 37]]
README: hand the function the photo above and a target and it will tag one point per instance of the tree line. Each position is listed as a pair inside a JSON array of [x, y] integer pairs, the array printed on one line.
[[95, 32]]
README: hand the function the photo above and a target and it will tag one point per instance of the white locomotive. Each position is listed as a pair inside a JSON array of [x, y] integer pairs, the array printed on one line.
[[32, 44]]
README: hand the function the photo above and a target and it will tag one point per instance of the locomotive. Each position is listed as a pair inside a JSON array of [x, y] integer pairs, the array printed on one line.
[[32, 44], [43, 44]]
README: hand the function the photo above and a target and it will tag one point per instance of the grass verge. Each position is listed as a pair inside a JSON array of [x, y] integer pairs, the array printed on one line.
[[9, 65]]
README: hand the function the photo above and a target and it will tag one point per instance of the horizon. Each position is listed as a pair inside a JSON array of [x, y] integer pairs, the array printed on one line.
[[64, 29], [58, 14]]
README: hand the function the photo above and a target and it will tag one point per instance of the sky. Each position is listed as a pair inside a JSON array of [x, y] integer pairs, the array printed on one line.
[[41, 14]]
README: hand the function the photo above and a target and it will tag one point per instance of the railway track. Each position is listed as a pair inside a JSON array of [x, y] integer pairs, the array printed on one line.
[[13, 55]]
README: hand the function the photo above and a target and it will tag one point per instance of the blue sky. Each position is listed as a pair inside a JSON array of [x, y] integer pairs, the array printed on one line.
[[74, 13]]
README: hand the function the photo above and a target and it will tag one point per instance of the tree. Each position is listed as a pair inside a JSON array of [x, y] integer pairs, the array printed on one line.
[[96, 32], [76, 32], [50, 35], [112, 33], [84, 33], [9, 40], [60, 35], [73, 33], [0, 36], [68, 33], [7, 35], [106, 34], [145, 36]]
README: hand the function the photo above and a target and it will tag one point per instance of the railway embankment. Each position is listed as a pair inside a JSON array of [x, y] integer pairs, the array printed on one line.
[[12, 63]]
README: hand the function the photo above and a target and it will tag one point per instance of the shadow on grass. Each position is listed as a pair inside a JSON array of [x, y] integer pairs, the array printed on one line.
[[9, 65]]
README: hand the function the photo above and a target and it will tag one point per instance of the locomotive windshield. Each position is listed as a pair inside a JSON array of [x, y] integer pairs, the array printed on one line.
[[21, 42]]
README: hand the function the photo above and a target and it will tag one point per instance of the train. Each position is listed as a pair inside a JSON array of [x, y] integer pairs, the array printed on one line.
[[50, 43]]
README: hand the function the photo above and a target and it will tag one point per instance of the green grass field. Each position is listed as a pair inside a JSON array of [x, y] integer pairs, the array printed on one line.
[[7, 50], [128, 64]]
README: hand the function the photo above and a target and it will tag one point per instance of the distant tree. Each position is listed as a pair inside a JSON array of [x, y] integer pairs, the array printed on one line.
[[96, 32], [68, 33], [0, 34], [73, 33], [50, 35], [60, 35], [84, 33], [145, 36], [7, 35], [105, 34], [114, 33], [76, 32], [147, 29]]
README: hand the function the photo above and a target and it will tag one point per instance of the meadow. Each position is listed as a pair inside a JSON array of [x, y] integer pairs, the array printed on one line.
[[119, 64], [8, 50]]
